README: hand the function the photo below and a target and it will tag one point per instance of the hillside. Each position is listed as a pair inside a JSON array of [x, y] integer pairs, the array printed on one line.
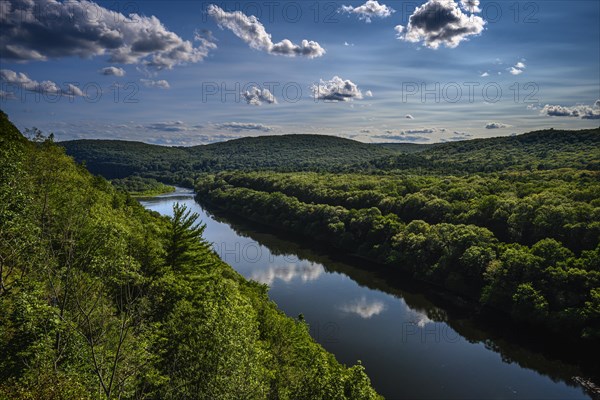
[[116, 159], [103, 299], [542, 150]]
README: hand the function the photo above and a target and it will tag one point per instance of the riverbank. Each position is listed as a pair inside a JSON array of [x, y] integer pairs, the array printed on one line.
[[495, 323], [405, 335]]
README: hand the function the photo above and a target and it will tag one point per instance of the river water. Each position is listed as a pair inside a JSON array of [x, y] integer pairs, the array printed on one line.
[[413, 345]]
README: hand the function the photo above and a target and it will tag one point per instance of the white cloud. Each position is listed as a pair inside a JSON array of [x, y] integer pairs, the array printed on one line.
[[115, 71], [159, 84], [368, 93], [371, 9], [517, 69], [45, 87], [256, 96], [579, 111], [440, 22], [408, 116], [496, 125], [251, 31], [484, 75], [83, 28], [241, 126], [471, 6], [336, 89]]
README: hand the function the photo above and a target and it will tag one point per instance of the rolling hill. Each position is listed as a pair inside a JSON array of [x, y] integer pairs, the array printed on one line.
[[549, 149]]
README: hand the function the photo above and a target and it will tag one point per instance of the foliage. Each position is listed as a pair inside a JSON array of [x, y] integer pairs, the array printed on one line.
[[534, 151], [525, 243], [138, 186], [103, 299], [119, 159]]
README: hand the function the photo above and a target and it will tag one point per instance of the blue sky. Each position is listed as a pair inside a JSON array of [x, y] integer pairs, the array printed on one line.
[[454, 70]]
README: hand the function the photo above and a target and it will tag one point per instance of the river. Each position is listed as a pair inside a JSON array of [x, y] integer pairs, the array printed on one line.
[[412, 345]]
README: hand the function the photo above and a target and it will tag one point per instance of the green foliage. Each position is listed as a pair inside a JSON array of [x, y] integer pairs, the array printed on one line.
[[534, 151], [139, 186], [117, 159], [525, 243], [103, 299], [539, 150]]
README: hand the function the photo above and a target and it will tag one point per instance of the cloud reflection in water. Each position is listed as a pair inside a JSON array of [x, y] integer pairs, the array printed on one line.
[[304, 270], [364, 308]]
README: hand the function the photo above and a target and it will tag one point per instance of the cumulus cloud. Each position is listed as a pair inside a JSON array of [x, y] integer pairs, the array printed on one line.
[[364, 308], [484, 75], [159, 84], [336, 89], [83, 28], [24, 82], [495, 125], [440, 22], [256, 96], [578, 111], [517, 69], [115, 71], [408, 116], [371, 9], [251, 31], [368, 93], [242, 126], [471, 6]]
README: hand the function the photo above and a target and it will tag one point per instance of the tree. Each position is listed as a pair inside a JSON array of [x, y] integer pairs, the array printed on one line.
[[185, 245]]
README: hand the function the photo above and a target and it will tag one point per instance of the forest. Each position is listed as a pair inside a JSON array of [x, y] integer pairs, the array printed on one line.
[[515, 230], [511, 223], [540, 150], [523, 245], [103, 299]]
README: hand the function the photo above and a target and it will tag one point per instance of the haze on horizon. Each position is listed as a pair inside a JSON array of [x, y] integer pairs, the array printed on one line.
[[192, 72]]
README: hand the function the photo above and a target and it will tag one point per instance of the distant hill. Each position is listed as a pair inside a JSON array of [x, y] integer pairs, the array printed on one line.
[[549, 149], [118, 159]]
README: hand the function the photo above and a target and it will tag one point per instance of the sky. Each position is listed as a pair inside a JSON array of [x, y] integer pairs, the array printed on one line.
[[194, 72]]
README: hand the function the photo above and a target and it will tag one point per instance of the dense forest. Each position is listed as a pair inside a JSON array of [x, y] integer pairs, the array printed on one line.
[[139, 186], [118, 159], [522, 240], [103, 299], [512, 223], [523, 243], [541, 150]]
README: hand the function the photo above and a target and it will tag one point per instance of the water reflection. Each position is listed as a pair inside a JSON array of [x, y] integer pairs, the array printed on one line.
[[364, 308], [419, 319], [414, 343], [305, 270]]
